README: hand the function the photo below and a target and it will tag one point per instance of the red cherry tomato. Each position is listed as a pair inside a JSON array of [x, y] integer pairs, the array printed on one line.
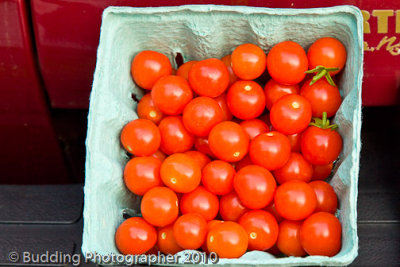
[[295, 200], [174, 136], [270, 150], [135, 236], [200, 201], [246, 100], [228, 240], [287, 63], [141, 137], [320, 146], [326, 196], [321, 234], [199, 157], [159, 155], [166, 241], [159, 206], [209, 77], [147, 110], [201, 144], [142, 174], [228, 63], [171, 94], [217, 177], [149, 66], [201, 115], [274, 91], [230, 207], [261, 227], [248, 61], [180, 173], [271, 209], [289, 239], [297, 168], [328, 52], [226, 113], [184, 69], [190, 231], [210, 224], [255, 186], [291, 114], [228, 141], [321, 172], [322, 96], [294, 140], [254, 127], [243, 163]]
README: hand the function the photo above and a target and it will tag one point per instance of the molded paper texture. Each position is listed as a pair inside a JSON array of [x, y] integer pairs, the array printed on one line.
[[199, 32]]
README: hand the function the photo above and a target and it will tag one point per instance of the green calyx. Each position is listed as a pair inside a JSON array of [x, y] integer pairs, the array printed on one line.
[[321, 71], [323, 123]]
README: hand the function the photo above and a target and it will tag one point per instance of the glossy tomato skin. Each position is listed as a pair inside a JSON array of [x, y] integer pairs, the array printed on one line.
[[199, 157], [210, 224], [135, 236], [180, 173], [226, 113], [217, 177], [289, 239], [295, 200], [321, 172], [243, 163], [228, 141], [270, 150], [149, 66], [201, 144], [141, 137], [255, 186], [159, 155], [254, 127], [209, 77], [297, 168], [200, 201], [328, 52], [166, 241], [261, 227], [184, 69], [231, 208], [326, 196], [201, 115], [287, 63], [291, 114], [274, 91], [190, 231], [159, 206], [294, 140], [141, 174], [171, 94], [322, 96], [174, 136], [228, 63], [248, 61], [246, 99], [146, 109], [320, 146], [228, 240], [321, 234]]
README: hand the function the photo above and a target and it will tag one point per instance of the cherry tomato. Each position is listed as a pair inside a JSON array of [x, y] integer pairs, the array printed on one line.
[[228, 63], [147, 110], [230, 207], [287, 63], [328, 52], [210, 224], [248, 61], [295, 200], [270, 150], [174, 136], [184, 69], [142, 174], [326, 196], [321, 172], [228, 240], [201, 115], [209, 77], [226, 113], [297, 168], [199, 157], [320, 146], [255, 186], [200, 201], [321, 234], [322, 96], [180, 173], [254, 127], [246, 100], [243, 163], [166, 241], [149, 66], [190, 231], [262, 229], [201, 144], [228, 141], [291, 114], [289, 239], [294, 140], [171, 94], [274, 91], [271, 209], [141, 137], [159, 155], [217, 177], [135, 236], [159, 206]]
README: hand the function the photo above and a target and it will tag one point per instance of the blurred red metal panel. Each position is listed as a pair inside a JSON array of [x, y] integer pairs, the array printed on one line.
[[30, 153]]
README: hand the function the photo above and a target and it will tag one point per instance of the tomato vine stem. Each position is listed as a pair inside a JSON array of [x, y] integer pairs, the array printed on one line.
[[323, 123], [322, 71]]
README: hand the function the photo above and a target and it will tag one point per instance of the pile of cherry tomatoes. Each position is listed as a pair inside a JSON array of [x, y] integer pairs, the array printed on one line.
[[227, 166]]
